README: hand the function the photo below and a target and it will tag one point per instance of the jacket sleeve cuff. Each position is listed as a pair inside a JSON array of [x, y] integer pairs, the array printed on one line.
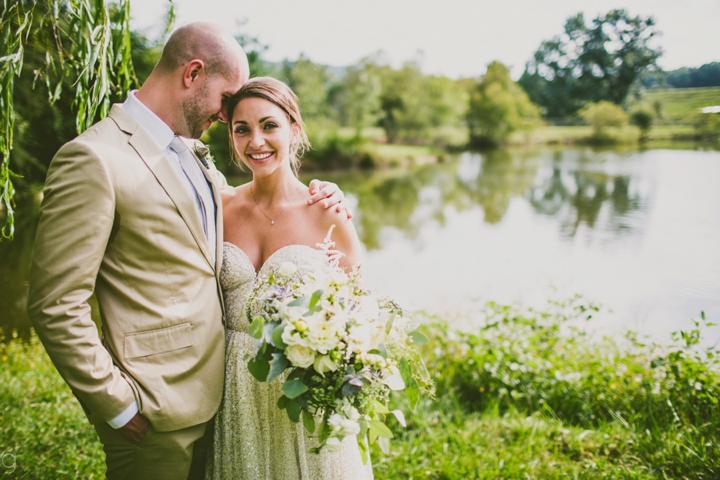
[[126, 415]]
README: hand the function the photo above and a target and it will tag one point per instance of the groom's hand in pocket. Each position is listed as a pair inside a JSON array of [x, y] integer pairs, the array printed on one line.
[[135, 430]]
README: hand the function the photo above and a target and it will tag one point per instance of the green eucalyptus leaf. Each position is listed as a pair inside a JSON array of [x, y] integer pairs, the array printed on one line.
[[293, 411], [277, 366], [299, 302], [417, 337], [259, 369], [277, 337], [316, 296], [308, 421], [384, 444], [256, 327], [380, 429], [294, 388], [283, 402], [362, 446]]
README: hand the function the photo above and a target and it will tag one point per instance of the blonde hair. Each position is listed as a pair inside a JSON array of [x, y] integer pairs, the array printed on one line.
[[279, 94]]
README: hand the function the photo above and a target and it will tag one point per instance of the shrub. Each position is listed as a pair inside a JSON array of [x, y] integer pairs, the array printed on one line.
[[602, 115]]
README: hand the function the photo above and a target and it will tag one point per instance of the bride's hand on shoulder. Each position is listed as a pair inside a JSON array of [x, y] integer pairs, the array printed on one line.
[[329, 196]]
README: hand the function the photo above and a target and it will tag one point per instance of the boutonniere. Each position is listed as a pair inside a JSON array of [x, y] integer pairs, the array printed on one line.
[[203, 153]]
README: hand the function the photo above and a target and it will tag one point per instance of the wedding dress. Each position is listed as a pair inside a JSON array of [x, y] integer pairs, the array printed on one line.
[[254, 439]]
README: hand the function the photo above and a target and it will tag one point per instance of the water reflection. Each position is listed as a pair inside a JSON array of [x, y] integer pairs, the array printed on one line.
[[571, 189]]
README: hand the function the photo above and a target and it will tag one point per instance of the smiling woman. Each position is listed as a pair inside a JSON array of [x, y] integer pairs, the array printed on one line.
[[268, 223]]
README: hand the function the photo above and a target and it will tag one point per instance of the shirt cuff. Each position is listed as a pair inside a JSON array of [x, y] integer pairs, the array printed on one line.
[[127, 415]]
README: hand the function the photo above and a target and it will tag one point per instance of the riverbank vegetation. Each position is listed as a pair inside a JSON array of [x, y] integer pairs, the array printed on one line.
[[612, 58], [521, 393]]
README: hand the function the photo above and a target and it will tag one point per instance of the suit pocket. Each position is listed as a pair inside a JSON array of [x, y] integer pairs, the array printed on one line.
[[143, 344]]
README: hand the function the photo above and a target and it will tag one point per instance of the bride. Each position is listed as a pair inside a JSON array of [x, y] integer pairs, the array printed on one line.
[[268, 222]]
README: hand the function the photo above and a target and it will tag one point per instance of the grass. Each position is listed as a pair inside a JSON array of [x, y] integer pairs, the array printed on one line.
[[520, 394], [43, 431]]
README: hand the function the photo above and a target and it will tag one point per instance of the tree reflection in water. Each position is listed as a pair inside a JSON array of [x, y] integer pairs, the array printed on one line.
[[570, 186], [575, 187]]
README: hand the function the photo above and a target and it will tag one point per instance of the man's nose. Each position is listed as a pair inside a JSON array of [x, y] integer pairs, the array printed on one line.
[[222, 114]]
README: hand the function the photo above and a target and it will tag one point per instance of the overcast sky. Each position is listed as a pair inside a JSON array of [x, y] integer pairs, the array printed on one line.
[[455, 37]]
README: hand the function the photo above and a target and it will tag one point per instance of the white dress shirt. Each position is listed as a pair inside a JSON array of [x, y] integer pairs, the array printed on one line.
[[163, 135]]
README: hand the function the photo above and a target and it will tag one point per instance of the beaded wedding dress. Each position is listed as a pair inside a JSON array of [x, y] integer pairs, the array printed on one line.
[[254, 439]]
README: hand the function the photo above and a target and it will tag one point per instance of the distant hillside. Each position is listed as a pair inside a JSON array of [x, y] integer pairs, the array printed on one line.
[[678, 105]]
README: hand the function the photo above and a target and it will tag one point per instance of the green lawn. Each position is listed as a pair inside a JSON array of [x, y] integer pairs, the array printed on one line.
[[679, 105], [523, 394]]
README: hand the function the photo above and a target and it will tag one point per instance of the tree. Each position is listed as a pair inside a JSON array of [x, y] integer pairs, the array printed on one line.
[[357, 97], [413, 104], [590, 63], [85, 46], [707, 75], [498, 107]]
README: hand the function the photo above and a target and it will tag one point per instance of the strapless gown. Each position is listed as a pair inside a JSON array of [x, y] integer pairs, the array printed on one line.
[[254, 440]]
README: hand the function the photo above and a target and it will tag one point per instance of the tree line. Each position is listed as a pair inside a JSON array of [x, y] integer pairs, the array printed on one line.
[[49, 94]]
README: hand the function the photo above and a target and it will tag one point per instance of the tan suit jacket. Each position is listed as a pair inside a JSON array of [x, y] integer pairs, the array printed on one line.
[[116, 220]]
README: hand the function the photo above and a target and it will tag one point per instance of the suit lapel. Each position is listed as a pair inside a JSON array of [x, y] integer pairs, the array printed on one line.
[[160, 166]]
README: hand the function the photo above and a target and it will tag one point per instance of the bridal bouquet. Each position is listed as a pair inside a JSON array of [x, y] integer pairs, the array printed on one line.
[[342, 350]]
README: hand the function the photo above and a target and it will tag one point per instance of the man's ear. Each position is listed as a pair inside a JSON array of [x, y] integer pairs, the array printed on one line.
[[192, 72]]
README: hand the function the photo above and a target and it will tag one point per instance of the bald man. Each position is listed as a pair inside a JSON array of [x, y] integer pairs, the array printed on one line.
[[132, 215]]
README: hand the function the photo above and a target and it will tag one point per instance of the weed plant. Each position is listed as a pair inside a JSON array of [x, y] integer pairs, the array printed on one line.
[[529, 394], [522, 394]]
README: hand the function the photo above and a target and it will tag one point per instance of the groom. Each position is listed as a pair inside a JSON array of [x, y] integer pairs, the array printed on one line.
[[130, 214]]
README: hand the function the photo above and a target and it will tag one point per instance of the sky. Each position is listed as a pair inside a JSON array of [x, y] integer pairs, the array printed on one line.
[[450, 37]]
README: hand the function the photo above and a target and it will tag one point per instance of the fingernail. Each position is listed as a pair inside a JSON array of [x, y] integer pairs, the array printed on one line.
[[325, 204]]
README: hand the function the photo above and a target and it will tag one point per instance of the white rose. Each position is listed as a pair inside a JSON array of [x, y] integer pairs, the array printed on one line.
[[300, 356], [287, 269], [332, 444], [359, 339], [322, 334], [290, 336], [324, 364]]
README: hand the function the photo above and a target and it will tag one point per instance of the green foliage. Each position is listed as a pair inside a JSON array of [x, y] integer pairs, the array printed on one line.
[[590, 63], [498, 107], [525, 393], [602, 115], [643, 120], [357, 96], [41, 423], [85, 43], [662, 399], [414, 106], [707, 125], [677, 105]]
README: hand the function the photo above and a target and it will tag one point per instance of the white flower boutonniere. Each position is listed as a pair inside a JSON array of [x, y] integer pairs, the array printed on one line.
[[203, 153]]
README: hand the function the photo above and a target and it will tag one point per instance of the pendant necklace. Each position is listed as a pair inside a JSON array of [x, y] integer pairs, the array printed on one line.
[[272, 221]]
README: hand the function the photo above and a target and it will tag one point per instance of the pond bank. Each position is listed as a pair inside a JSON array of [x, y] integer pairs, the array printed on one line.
[[515, 398]]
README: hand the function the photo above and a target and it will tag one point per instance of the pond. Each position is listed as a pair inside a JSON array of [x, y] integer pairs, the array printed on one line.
[[635, 231]]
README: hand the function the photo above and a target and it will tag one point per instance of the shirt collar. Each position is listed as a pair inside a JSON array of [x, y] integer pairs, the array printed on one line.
[[153, 125]]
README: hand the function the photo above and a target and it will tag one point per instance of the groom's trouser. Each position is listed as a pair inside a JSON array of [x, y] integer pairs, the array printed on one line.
[[179, 454]]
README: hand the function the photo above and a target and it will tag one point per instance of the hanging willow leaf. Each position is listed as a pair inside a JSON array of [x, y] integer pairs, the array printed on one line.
[[88, 39]]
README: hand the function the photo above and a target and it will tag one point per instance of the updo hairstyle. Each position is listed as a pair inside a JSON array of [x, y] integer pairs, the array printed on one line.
[[276, 92]]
